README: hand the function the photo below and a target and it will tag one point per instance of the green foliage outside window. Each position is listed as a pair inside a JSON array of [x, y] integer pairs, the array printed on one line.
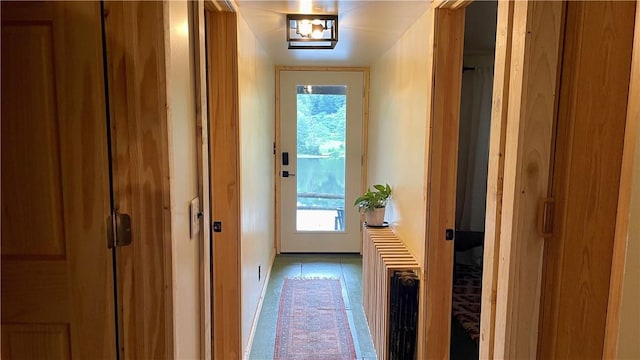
[[321, 124], [321, 137]]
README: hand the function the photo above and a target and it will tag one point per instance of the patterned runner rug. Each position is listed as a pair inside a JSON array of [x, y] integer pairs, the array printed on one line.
[[312, 322], [467, 294]]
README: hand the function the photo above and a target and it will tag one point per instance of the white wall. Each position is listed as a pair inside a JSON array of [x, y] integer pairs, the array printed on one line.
[[257, 111], [398, 132], [183, 181], [629, 335]]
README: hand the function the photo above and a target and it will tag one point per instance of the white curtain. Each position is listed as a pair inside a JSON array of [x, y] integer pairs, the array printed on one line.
[[473, 148]]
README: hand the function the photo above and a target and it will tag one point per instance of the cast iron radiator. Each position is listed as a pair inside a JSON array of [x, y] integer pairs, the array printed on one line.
[[383, 254], [403, 315]]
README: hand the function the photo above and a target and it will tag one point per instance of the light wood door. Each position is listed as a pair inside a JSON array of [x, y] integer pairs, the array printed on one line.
[[321, 162], [590, 132], [137, 101], [57, 297]]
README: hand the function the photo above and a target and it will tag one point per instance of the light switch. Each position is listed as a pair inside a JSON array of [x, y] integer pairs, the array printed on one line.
[[194, 213]]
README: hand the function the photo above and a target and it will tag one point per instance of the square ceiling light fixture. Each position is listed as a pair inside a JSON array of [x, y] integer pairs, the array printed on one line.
[[312, 31]]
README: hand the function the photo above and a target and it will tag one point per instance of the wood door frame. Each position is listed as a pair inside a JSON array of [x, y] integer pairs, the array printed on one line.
[[224, 182], [529, 34], [447, 19], [202, 142], [612, 328], [495, 178], [532, 101], [276, 143]]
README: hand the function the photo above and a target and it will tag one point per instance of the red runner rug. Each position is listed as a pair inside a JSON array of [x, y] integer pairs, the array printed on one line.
[[312, 322]]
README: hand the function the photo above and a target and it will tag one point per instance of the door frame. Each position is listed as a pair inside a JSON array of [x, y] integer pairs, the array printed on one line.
[[495, 177], [527, 70], [517, 251], [447, 19], [276, 143], [528, 35], [612, 329], [223, 161], [197, 32]]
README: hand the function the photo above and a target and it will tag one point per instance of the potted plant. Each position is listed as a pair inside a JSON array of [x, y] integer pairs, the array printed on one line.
[[372, 204]]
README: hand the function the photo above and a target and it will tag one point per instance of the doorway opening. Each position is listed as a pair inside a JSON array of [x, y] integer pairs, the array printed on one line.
[[471, 188]]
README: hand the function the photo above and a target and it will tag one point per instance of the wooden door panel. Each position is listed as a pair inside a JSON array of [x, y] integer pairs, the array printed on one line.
[[35, 341], [31, 166], [591, 122], [40, 286], [57, 286]]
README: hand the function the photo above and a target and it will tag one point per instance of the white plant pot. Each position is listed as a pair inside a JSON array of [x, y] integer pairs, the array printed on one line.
[[375, 217]]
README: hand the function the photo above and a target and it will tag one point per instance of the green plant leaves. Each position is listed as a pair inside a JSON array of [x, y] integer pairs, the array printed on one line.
[[377, 198]]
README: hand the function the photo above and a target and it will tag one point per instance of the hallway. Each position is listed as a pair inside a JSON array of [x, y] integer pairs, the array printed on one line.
[[346, 267]]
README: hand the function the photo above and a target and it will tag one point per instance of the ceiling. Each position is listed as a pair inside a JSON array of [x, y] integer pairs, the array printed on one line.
[[367, 28]]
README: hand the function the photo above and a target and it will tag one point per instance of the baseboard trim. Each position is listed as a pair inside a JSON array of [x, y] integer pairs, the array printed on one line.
[[263, 293]]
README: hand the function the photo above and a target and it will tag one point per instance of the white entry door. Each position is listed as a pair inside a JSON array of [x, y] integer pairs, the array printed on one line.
[[321, 156]]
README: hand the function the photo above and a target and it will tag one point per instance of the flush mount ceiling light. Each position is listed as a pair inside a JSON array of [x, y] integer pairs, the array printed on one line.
[[312, 31]]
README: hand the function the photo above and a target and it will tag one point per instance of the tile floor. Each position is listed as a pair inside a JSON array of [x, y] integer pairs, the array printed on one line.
[[346, 267]]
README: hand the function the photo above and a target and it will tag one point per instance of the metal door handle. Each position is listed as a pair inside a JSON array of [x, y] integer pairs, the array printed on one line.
[[286, 173]]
